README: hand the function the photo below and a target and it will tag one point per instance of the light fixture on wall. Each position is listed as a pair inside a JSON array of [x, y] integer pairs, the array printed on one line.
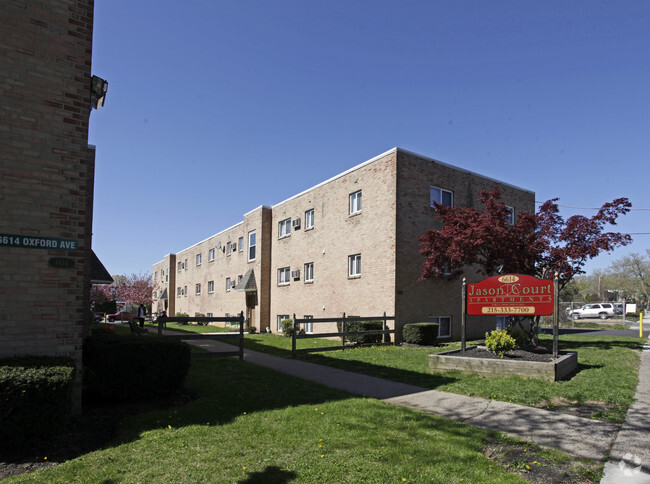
[[98, 89]]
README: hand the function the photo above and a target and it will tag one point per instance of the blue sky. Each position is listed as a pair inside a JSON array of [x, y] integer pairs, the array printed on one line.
[[217, 107]]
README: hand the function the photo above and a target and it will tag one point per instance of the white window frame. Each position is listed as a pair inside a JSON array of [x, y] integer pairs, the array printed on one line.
[[185, 291], [510, 218], [280, 318], [284, 276], [354, 265], [309, 272], [210, 287], [228, 284], [436, 195], [355, 202], [309, 219], [198, 259], [179, 267], [437, 319], [179, 291], [284, 228], [197, 289], [252, 243], [210, 255], [240, 244]]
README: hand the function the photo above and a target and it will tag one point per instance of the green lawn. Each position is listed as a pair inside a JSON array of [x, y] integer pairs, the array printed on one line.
[[607, 376], [251, 424]]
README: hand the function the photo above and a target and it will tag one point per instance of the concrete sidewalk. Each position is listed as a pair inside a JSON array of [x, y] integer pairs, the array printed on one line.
[[575, 436]]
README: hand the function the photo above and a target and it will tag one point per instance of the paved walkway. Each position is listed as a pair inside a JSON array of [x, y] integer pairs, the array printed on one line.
[[576, 436]]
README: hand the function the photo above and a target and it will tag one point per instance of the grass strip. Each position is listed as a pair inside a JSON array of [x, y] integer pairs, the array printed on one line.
[[251, 424]]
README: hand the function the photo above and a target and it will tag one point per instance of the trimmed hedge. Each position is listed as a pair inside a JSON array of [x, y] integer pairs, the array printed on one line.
[[133, 368], [361, 326], [35, 399], [424, 334]]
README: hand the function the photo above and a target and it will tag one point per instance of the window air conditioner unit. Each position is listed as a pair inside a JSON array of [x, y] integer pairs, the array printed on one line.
[[295, 223], [295, 274]]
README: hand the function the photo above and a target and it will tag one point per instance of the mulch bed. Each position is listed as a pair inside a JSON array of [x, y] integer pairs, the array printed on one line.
[[535, 353]]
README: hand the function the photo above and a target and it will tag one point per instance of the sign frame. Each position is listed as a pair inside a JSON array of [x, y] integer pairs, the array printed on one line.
[[511, 295]]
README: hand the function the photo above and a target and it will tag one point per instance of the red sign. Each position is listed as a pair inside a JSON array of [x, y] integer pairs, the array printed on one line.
[[511, 294]]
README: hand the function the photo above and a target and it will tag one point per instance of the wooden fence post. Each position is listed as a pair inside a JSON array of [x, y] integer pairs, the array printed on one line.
[[293, 336], [241, 335]]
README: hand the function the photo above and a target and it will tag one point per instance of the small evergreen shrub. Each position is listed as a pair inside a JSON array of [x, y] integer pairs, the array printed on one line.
[[35, 399], [423, 334], [180, 315], [499, 342], [287, 327], [252, 330], [127, 368], [362, 326]]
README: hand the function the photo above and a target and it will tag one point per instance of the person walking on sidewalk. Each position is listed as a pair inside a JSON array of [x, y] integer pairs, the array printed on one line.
[[142, 313]]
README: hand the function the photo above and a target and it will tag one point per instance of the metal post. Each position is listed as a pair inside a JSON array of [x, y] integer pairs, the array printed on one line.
[[555, 317], [462, 316], [384, 336], [343, 330]]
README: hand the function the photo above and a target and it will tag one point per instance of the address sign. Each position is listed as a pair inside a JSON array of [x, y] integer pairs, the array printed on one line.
[[511, 294]]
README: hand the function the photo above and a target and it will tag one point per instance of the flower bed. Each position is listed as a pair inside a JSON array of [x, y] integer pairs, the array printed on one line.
[[532, 365]]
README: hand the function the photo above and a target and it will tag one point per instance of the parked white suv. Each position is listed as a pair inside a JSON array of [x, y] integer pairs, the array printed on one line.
[[600, 310]]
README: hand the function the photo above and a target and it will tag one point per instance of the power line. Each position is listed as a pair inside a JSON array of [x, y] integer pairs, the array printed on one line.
[[586, 208]]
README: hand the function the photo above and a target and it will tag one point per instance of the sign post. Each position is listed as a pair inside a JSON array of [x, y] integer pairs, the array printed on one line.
[[462, 318], [556, 324]]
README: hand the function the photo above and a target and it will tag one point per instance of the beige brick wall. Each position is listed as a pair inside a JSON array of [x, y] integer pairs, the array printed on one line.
[[217, 264], [395, 188], [335, 236], [47, 173], [420, 300]]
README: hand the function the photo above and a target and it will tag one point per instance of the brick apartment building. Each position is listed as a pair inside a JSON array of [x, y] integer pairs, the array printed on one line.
[[47, 177], [348, 245]]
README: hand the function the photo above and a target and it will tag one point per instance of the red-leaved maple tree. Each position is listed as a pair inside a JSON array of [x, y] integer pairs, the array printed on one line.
[[539, 244]]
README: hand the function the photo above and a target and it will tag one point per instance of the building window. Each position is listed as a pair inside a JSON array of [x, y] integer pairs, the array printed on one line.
[[198, 259], [229, 248], [185, 290], [179, 291], [155, 295], [284, 274], [281, 317], [210, 287], [166, 274], [185, 265], [284, 229], [502, 322], [228, 284], [354, 265], [197, 289], [241, 244], [510, 218], [210, 255], [444, 325], [251, 246], [208, 315], [355, 202], [309, 272], [309, 219], [155, 276], [309, 327], [441, 197], [180, 266]]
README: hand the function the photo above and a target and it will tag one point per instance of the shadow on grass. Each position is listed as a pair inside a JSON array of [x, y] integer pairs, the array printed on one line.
[[270, 475]]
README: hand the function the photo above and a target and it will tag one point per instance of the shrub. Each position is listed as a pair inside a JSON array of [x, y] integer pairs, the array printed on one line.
[[180, 315], [420, 333], [499, 342], [36, 399], [360, 327], [252, 330], [287, 327], [127, 368]]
